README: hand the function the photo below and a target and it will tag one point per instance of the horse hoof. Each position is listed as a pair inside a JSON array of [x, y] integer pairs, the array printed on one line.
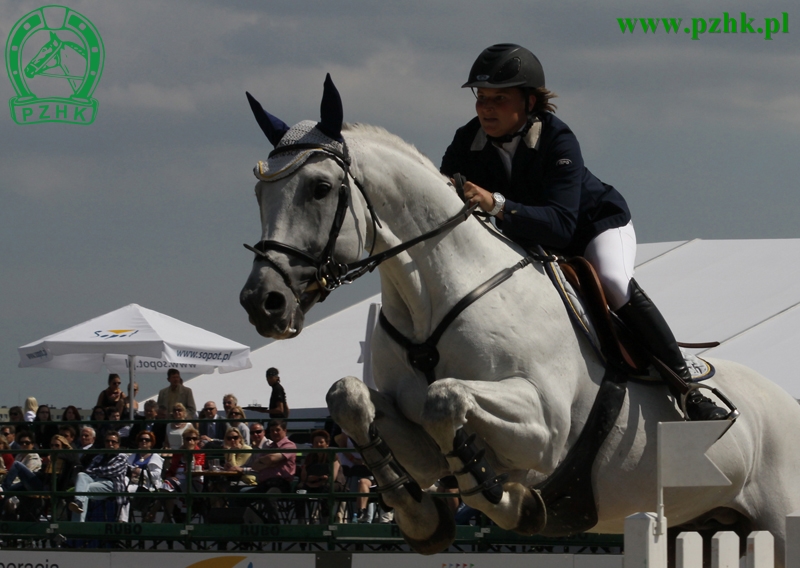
[[443, 536], [532, 510]]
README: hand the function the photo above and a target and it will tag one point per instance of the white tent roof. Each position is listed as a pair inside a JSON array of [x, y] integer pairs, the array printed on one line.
[[159, 342], [742, 293]]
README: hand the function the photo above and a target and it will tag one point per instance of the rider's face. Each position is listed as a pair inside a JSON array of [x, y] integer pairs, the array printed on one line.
[[500, 111]]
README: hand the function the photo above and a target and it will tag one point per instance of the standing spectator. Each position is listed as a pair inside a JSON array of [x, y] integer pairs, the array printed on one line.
[[175, 430], [30, 409], [112, 395], [41, 431], [211, 430], [176, 392], [148, 424], [126, 411], [105, 474], [278, 408]]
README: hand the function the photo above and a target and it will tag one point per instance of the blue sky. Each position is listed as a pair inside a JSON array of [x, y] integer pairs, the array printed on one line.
[[152, 202]]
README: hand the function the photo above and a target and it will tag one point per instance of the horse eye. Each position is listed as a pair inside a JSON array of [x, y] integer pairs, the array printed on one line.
[[322, 189]]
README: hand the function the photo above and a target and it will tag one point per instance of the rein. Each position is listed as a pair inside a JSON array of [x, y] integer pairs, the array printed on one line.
[[330, 274]]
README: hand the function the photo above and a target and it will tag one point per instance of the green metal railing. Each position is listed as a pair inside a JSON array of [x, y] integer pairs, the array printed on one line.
[[197, 533]]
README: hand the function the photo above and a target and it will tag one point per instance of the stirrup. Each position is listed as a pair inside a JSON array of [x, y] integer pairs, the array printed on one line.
[[733, 412]]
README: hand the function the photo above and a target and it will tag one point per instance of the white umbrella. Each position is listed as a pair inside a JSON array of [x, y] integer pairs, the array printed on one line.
[[138, 339]]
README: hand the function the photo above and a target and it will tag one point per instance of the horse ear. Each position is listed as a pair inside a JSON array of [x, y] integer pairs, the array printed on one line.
[[272, 126], [330, 112]]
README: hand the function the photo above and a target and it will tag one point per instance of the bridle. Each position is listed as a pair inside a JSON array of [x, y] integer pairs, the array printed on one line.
[[329, 273]]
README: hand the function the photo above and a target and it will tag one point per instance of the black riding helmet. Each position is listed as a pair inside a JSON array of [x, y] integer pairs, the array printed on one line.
[[505, 65]]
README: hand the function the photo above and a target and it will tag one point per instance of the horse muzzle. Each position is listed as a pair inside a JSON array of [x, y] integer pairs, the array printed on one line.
[[272, 306]]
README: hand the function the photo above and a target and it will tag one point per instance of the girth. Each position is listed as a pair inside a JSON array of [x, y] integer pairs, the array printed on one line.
[[425, 356]]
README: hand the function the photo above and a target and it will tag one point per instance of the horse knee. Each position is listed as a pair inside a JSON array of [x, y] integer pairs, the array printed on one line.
[[350, 406], [446, 405]]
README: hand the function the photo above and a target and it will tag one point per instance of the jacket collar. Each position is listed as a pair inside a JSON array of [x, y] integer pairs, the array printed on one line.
[[531, 139]]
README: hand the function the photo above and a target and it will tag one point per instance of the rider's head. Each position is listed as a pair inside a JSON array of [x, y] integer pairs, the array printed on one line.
[[507, 66]]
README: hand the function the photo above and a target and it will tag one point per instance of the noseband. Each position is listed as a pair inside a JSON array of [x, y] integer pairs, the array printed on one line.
[[329, 273]]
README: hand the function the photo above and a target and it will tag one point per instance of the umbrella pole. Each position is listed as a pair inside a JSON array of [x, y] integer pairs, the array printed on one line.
[[131, 376]]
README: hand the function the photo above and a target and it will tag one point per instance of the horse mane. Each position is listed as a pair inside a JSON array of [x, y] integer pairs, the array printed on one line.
[[381, 135]]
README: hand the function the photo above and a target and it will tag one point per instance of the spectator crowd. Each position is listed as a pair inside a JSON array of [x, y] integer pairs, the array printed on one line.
[[160, 464]]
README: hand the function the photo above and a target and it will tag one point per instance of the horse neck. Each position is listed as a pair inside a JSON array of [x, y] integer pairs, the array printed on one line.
[[420, 285]]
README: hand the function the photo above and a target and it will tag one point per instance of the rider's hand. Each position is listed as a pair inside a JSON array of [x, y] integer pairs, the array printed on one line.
[[476, 194]]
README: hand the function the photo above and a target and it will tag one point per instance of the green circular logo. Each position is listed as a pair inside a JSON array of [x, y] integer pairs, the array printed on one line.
[[54, 50]]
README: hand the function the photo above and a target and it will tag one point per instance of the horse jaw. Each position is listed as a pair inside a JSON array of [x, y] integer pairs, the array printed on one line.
[[272, 306]]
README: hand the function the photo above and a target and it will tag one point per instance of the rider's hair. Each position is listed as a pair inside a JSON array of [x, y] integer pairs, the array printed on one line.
[[543, 96]]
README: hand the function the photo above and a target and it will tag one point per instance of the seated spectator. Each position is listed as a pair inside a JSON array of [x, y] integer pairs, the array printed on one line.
[[148, 424], [27, 480], [359, 477], [274, 471], [211, 430], [69, 433], [228, 402], [43, 432], [176, 476], [30, 408], [87, 443], [315, 475], [98, 418], [145, 467], [175, 430], [105, 474], [236, 421], [8, 457], [15, 415], [8, 433], [31, 460], [112, 395], [258, 438], [72, 415], [237, 461]]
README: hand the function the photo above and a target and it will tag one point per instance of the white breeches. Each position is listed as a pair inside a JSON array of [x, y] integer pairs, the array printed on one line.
[[612, 253]]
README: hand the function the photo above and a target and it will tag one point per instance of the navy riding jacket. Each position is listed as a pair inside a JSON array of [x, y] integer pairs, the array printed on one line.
[[552, 199]]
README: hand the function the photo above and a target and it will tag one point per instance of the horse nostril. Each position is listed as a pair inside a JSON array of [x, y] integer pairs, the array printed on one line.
[[274, 302]]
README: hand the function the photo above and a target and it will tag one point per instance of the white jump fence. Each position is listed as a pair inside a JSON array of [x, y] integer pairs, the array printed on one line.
[[644, 548]]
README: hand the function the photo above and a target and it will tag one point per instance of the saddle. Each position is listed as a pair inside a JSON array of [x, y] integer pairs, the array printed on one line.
[[617, 345]]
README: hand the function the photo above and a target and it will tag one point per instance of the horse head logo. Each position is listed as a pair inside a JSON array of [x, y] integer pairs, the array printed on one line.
[[71, 50]]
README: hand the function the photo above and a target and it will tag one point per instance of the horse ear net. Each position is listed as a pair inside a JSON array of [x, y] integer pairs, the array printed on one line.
[[273, 127]]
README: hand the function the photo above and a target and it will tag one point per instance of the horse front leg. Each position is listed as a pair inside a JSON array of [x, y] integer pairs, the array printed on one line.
[[467, 421], [370, 419]]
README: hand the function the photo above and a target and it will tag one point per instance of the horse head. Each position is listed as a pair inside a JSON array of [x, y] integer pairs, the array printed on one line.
[[311, 220]]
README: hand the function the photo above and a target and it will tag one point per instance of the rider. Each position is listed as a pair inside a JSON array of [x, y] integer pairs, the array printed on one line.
[[524, 166]]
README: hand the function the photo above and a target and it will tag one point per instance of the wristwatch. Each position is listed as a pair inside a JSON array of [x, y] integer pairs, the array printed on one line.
[[499, 203]]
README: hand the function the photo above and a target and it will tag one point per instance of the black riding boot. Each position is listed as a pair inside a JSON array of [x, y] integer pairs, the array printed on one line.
[[642, 317]]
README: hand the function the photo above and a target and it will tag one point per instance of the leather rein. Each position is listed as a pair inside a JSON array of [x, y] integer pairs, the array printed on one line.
[[331, 274]]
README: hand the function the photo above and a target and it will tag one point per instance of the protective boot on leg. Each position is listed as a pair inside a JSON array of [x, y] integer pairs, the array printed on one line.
[[644, 319]]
